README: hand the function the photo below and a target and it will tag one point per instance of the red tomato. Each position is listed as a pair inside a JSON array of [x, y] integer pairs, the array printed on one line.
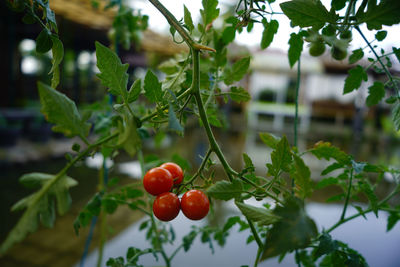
[[175, 170], [195, 204], [157, 180], [166, 206]]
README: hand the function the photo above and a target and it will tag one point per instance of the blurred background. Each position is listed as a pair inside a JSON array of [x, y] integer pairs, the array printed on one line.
[[27, 143]]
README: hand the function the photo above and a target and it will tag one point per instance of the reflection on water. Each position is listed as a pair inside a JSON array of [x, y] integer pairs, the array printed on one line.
[[369, 237]]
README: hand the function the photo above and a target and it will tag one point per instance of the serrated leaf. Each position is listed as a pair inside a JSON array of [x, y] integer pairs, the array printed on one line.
[[295, 47], [134, 91], [239, 94], [392, 219], [43, 41], [261, 216], [62, 111], [396, 52], [58, 54], [325, 246], [334, 166], [327, 151], [375, 93], [270, 29], [187, 18], [354, 79], [281, 157], [380, 35], [327, 182], [302, 177], [226, 190], [294, 230], [356, 56], [152, 87], [239, 69], [373, 199], [306, 13], [248, 163], [112, 72], [173, 122], [269, 139], [396, 116], [209, 11], [128, 137], [386, 13]]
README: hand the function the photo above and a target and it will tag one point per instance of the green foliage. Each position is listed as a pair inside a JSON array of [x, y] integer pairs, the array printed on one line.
[[152, 88], [295, 47], [62, 111], [294, 229], [128, 137], [209, 11], [239, 94], [269, 139], [226, 190], [356, 56], [375, 93], [393, 218], [270, 29], [261, 216], [173, 122], [326, 151], [188, 19], [385, 13], [355, 78], [302, 177], [281, 158], [305, 13], [239, 69], [396, 115]]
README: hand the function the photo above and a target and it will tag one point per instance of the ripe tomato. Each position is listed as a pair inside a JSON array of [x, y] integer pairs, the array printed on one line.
[[175, 170], [157, 180], [166, 206], [195, 204]]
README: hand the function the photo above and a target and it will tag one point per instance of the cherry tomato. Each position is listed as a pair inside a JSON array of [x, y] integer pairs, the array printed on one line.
[[157, 180], [175, 170], [195, 204], [166, 206]]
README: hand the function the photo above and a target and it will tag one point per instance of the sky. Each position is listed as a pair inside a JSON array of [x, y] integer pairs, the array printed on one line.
[[158, 23]]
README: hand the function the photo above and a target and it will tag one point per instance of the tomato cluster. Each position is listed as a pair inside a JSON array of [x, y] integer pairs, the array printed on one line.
[[159, 181]]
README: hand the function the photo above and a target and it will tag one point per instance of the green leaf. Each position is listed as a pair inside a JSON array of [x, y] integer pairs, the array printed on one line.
[[112, 72], [338, 4], [373, 199], [325, 246], [302, 177], [43, 42], [269, 139], [270, 29], [134, 91], [128, 137], [355, 78], [209, 11], [62, 111], [58, 54], [305, 13], [381, 35], [281, 157], [356, 55], [173, 122], [386, 13], [39, 206], [294, 230], [375, 93], [152, 87], [187, 18], [239, 94], [188, 239], [237, 72], [327, 151], [327, 182], [248, 163], [393, 218], [334, 166], [396, 52], [261, 216], [228, 35], [295, 47], [358, 166], [396, 116], [226, 190]]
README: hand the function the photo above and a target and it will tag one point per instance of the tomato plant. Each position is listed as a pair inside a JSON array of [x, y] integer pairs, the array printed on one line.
[[175, 170], [194, 86], [158, 180], [166, 206], [195, 204]]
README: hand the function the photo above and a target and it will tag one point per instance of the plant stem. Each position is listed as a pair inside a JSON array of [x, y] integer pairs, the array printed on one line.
[[388, 74], [347, 195], [159, 244], [259, 250], [255, 234], [200, 169]]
